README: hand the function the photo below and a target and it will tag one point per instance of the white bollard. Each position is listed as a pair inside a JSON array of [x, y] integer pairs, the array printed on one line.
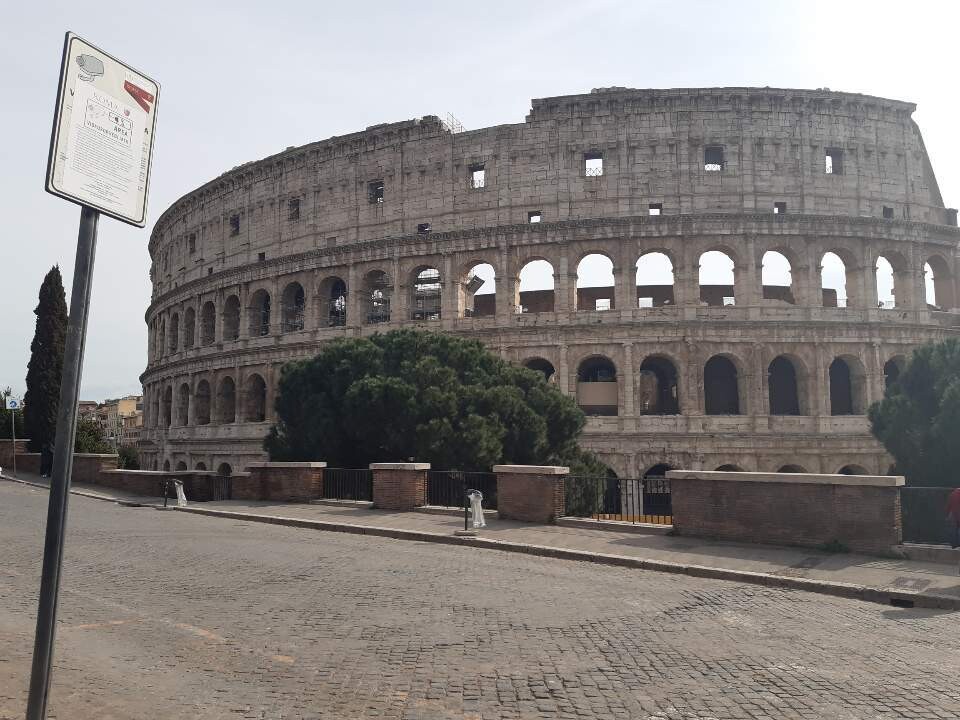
[[476, 508], [181, 496]]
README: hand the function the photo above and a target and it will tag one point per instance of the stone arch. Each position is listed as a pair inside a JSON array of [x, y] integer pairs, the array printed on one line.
[[939, 283], [377, 295], [786, 386], [541, 365], [231, 318], [836, 280], [721, 386], [189, 327], [658, 386], [166, 407], [166, 466], [183, 405], [717, 278], [655, 279], [775, 268], [477, 291], [255, 399], [597, 386], [293, 304], [208, 323], [426, 293], [791, 468], [730, 468], [174, 336], [227, 401], [847, 385], [852, 469], [259, 313], [200, 466], [596, 282], [536, 287], [224, 470], [181, 466], [892, 369], [201, 403], [333, 301]]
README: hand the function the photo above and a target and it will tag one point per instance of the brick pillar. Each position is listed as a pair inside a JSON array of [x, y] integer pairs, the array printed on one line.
[[531, 493], [399, 486], [286, 481]]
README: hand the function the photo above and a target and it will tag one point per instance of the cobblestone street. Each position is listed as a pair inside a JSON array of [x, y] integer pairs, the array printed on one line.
[[170, 615]]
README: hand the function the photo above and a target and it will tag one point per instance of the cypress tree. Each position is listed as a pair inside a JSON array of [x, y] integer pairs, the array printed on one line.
[[46, 362]]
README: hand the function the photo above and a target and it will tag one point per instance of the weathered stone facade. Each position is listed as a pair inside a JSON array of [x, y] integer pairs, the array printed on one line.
[[275, 257]]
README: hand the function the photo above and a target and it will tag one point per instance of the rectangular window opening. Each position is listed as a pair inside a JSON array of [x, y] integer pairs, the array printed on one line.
[[210, 271], [887, 212], [234, 224], [332, 241], [833, 161], [478, 176], [423, 228], [192, 243], [593, 164], [603, 304], [293, 209], [656, 208], [534, 216], [713, 158], [645, 302], [375, 191], [261, 257], [779, 208]]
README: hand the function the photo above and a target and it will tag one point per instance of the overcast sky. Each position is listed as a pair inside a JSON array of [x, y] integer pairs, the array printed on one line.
[[243, 80]]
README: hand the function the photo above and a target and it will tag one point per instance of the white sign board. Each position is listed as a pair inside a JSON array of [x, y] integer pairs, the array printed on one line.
[[102, 141], [11, 403]]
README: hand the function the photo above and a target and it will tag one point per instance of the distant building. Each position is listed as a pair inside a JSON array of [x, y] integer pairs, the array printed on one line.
[[87, 408], [121, 419]]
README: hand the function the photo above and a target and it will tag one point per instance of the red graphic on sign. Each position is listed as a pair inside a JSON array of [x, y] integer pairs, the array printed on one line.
[[139, 94]]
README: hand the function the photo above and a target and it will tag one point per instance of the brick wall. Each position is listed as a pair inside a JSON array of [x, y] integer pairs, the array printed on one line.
[[861, 512], [530, 493], [6, 451], [87, 467], [136, 482], [291, 482], [399, 486]]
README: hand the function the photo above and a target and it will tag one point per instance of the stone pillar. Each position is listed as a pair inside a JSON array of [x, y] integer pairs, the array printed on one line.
[[507, 299], [451, 299], [627, 373], [686, 287], [805, 288], [626, 288], [562, 370], [530, 493], [564, 297], [399, 486], [355, 314]]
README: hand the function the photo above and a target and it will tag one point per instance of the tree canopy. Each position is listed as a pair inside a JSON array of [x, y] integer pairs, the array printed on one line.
[[433, 397], [46, 363], [90, 437], [918, 420]]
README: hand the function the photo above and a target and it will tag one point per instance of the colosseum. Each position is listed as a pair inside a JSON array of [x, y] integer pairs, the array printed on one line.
[[724, 278]]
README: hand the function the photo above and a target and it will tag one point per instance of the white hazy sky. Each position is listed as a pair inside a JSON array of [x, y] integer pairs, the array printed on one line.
[[242, 80]]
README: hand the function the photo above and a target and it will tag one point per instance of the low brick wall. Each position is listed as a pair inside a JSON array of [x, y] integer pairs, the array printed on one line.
[[530, 493], [399, 486], [6, 451], [136, 482], [861, 512], [284, 481], [88, 466], [28, 462]]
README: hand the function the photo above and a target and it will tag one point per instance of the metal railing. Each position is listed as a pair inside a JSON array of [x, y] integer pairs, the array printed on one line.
[[347, 484], [632, 500], [448, 488]]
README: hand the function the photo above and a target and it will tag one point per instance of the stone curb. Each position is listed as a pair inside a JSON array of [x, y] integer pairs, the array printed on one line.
[[851, 591]]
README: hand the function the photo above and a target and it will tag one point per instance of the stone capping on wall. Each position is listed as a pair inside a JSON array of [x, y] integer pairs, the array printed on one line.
[[400, 466], [789, 478], [532, 469], [286, 465]]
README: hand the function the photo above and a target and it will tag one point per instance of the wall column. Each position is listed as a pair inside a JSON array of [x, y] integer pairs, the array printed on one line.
[[627, 373]]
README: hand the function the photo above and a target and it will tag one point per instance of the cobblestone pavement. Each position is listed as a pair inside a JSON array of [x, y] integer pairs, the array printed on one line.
[[170, 615]]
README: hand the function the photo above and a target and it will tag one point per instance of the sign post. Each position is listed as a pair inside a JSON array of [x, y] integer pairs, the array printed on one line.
[[100, 157], [12, 404]]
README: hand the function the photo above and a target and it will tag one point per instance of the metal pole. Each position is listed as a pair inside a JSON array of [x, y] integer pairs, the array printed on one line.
[[13, 430], [62, 465]]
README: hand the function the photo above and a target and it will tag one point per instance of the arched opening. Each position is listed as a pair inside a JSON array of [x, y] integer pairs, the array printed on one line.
[[259, 313], [166, 409], [478, 291], [161, 339], [717, 279], [833, 280], [938, 283], [540, 365], [852, 470], [596, 286], [729, 468], [886, 284], [208, 323], [425, 299], [792, 469], [654, 280], [231, 318], [656, 491], [224, 469], [181, 466], [255, 402], [657, 387], [293, 303], [721, 388], [333, 298], [166, 466], [776, 277], [174, 336], [189, 327], [201, 402], [891, 371], [782, 387], [846, 387], [377, 291], [155, 417], [200, 466], [183, 405], [536, 287], [227, 401], [597, 386]]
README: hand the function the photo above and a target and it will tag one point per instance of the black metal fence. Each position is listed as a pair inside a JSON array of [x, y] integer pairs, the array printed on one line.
[[347, 484], [633, 500], [448, 488]]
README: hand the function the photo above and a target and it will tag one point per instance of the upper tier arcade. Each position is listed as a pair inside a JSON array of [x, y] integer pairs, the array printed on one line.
[[611, 153]]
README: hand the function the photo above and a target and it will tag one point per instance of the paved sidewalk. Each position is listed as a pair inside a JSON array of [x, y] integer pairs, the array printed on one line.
[[848, 575]]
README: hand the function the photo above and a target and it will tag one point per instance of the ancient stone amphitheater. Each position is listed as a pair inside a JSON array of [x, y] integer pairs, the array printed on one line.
[[723, 277]]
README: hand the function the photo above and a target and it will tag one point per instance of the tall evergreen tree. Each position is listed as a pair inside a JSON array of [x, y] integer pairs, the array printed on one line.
[[46, 362]]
